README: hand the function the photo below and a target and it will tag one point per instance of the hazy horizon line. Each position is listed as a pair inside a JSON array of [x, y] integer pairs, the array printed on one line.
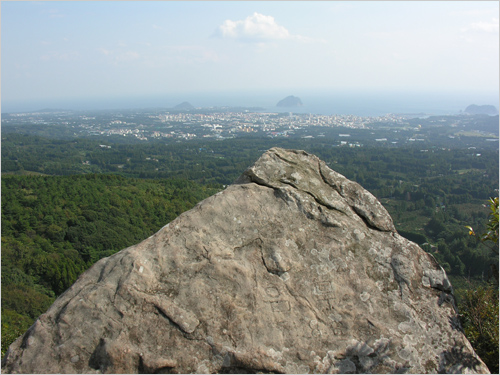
[[368, 100]]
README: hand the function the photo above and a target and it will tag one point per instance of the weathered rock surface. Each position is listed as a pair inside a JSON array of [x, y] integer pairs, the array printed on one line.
[[292, 269]]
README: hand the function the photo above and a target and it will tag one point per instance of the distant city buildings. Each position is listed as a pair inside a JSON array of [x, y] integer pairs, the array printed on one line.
[[187, 125]]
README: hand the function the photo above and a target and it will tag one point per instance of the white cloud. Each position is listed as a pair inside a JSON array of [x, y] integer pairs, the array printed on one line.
[[193, 54], [128, 55], [54, 13], [105, 51], [257, 28], [488, 27], [116, 57], [60, 56], [474, 12]]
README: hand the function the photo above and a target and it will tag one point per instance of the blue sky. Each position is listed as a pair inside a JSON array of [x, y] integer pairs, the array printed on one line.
[[60, 50]]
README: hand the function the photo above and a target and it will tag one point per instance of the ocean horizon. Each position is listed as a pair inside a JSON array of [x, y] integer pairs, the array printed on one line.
[[314, 102]]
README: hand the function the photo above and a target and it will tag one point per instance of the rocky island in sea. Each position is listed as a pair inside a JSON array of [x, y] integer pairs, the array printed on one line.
[[474, 109], [184, 106], [290, 101]]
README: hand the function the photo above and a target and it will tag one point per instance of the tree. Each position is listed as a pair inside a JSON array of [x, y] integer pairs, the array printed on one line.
[[491, 234], [479, 308], [492, 226], [479, 316]]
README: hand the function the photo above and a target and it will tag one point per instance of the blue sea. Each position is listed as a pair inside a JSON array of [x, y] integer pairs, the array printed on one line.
[[360, 103]]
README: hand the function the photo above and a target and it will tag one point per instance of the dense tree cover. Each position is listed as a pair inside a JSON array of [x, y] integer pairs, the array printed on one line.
[[223, 161], [479, 305], [431, 193], [54, 228], [479, 313]]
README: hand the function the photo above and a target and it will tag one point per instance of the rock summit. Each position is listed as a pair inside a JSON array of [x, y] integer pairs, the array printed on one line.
[[292, 269]]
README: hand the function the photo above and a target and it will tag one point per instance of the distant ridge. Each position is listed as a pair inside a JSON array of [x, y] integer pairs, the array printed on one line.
[[184, 106], [290, 101], [50, 110], [474, 109]]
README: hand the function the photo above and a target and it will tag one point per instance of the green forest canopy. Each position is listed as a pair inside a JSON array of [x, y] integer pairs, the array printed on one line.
[[66, 204]]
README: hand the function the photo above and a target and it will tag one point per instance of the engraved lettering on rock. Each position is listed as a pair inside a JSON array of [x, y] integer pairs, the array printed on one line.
[[328, 303], [148, 307], [324, 290], [272, 291], [338, 327], [280, 306], [315, 331], [323, 286]]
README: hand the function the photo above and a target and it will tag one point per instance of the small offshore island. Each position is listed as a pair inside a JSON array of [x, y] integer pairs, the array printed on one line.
[[474, 109], [290, 101], [184, 106]]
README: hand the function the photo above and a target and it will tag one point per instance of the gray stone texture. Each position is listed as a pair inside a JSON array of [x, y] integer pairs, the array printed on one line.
[[292, 269]]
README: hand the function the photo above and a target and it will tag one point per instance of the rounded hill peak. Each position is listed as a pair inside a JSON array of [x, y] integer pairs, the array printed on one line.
[[290, 101]]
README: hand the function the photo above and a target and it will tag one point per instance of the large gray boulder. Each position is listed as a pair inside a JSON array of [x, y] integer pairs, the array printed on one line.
[[292, 269]]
